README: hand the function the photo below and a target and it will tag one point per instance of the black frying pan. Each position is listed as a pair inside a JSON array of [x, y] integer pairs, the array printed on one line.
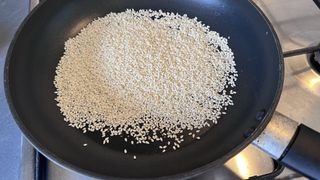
[[38, 46]]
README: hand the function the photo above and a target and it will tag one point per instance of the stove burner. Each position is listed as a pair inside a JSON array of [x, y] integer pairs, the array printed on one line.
[[314, 61]]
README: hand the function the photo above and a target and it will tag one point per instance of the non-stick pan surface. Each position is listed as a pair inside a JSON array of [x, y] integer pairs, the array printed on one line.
[[38, 46]]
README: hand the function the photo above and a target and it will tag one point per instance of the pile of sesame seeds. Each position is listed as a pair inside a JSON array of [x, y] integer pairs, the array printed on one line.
[[148, 75]]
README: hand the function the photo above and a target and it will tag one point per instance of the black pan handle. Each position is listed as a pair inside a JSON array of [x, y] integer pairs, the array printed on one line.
[[303, 153]]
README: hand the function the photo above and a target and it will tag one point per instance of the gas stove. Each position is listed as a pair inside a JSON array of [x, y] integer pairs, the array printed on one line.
[[297, 25]]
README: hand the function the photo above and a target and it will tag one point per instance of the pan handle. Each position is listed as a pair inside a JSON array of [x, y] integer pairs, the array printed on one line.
[[295, 146], [303, 153]]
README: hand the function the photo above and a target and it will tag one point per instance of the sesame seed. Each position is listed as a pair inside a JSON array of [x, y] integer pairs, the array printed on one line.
[[106, 140], [137, 75]]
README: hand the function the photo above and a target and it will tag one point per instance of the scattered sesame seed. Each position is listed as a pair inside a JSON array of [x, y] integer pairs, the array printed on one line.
[[106, 140]]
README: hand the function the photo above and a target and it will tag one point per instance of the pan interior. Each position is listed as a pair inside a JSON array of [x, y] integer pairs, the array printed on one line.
[[39, 46]]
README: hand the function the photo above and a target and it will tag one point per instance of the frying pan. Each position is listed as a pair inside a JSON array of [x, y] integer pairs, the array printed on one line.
[[39, 44]]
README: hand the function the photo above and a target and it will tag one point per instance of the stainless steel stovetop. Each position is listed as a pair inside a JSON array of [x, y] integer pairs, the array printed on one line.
[[297, 23]]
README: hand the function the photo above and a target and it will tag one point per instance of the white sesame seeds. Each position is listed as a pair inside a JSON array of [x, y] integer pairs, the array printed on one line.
[[134, 157], [106, 140], [134, 72], [85, 145], [125, 151]]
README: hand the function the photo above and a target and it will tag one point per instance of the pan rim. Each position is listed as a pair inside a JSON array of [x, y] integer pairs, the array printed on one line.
[[199, 170]]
